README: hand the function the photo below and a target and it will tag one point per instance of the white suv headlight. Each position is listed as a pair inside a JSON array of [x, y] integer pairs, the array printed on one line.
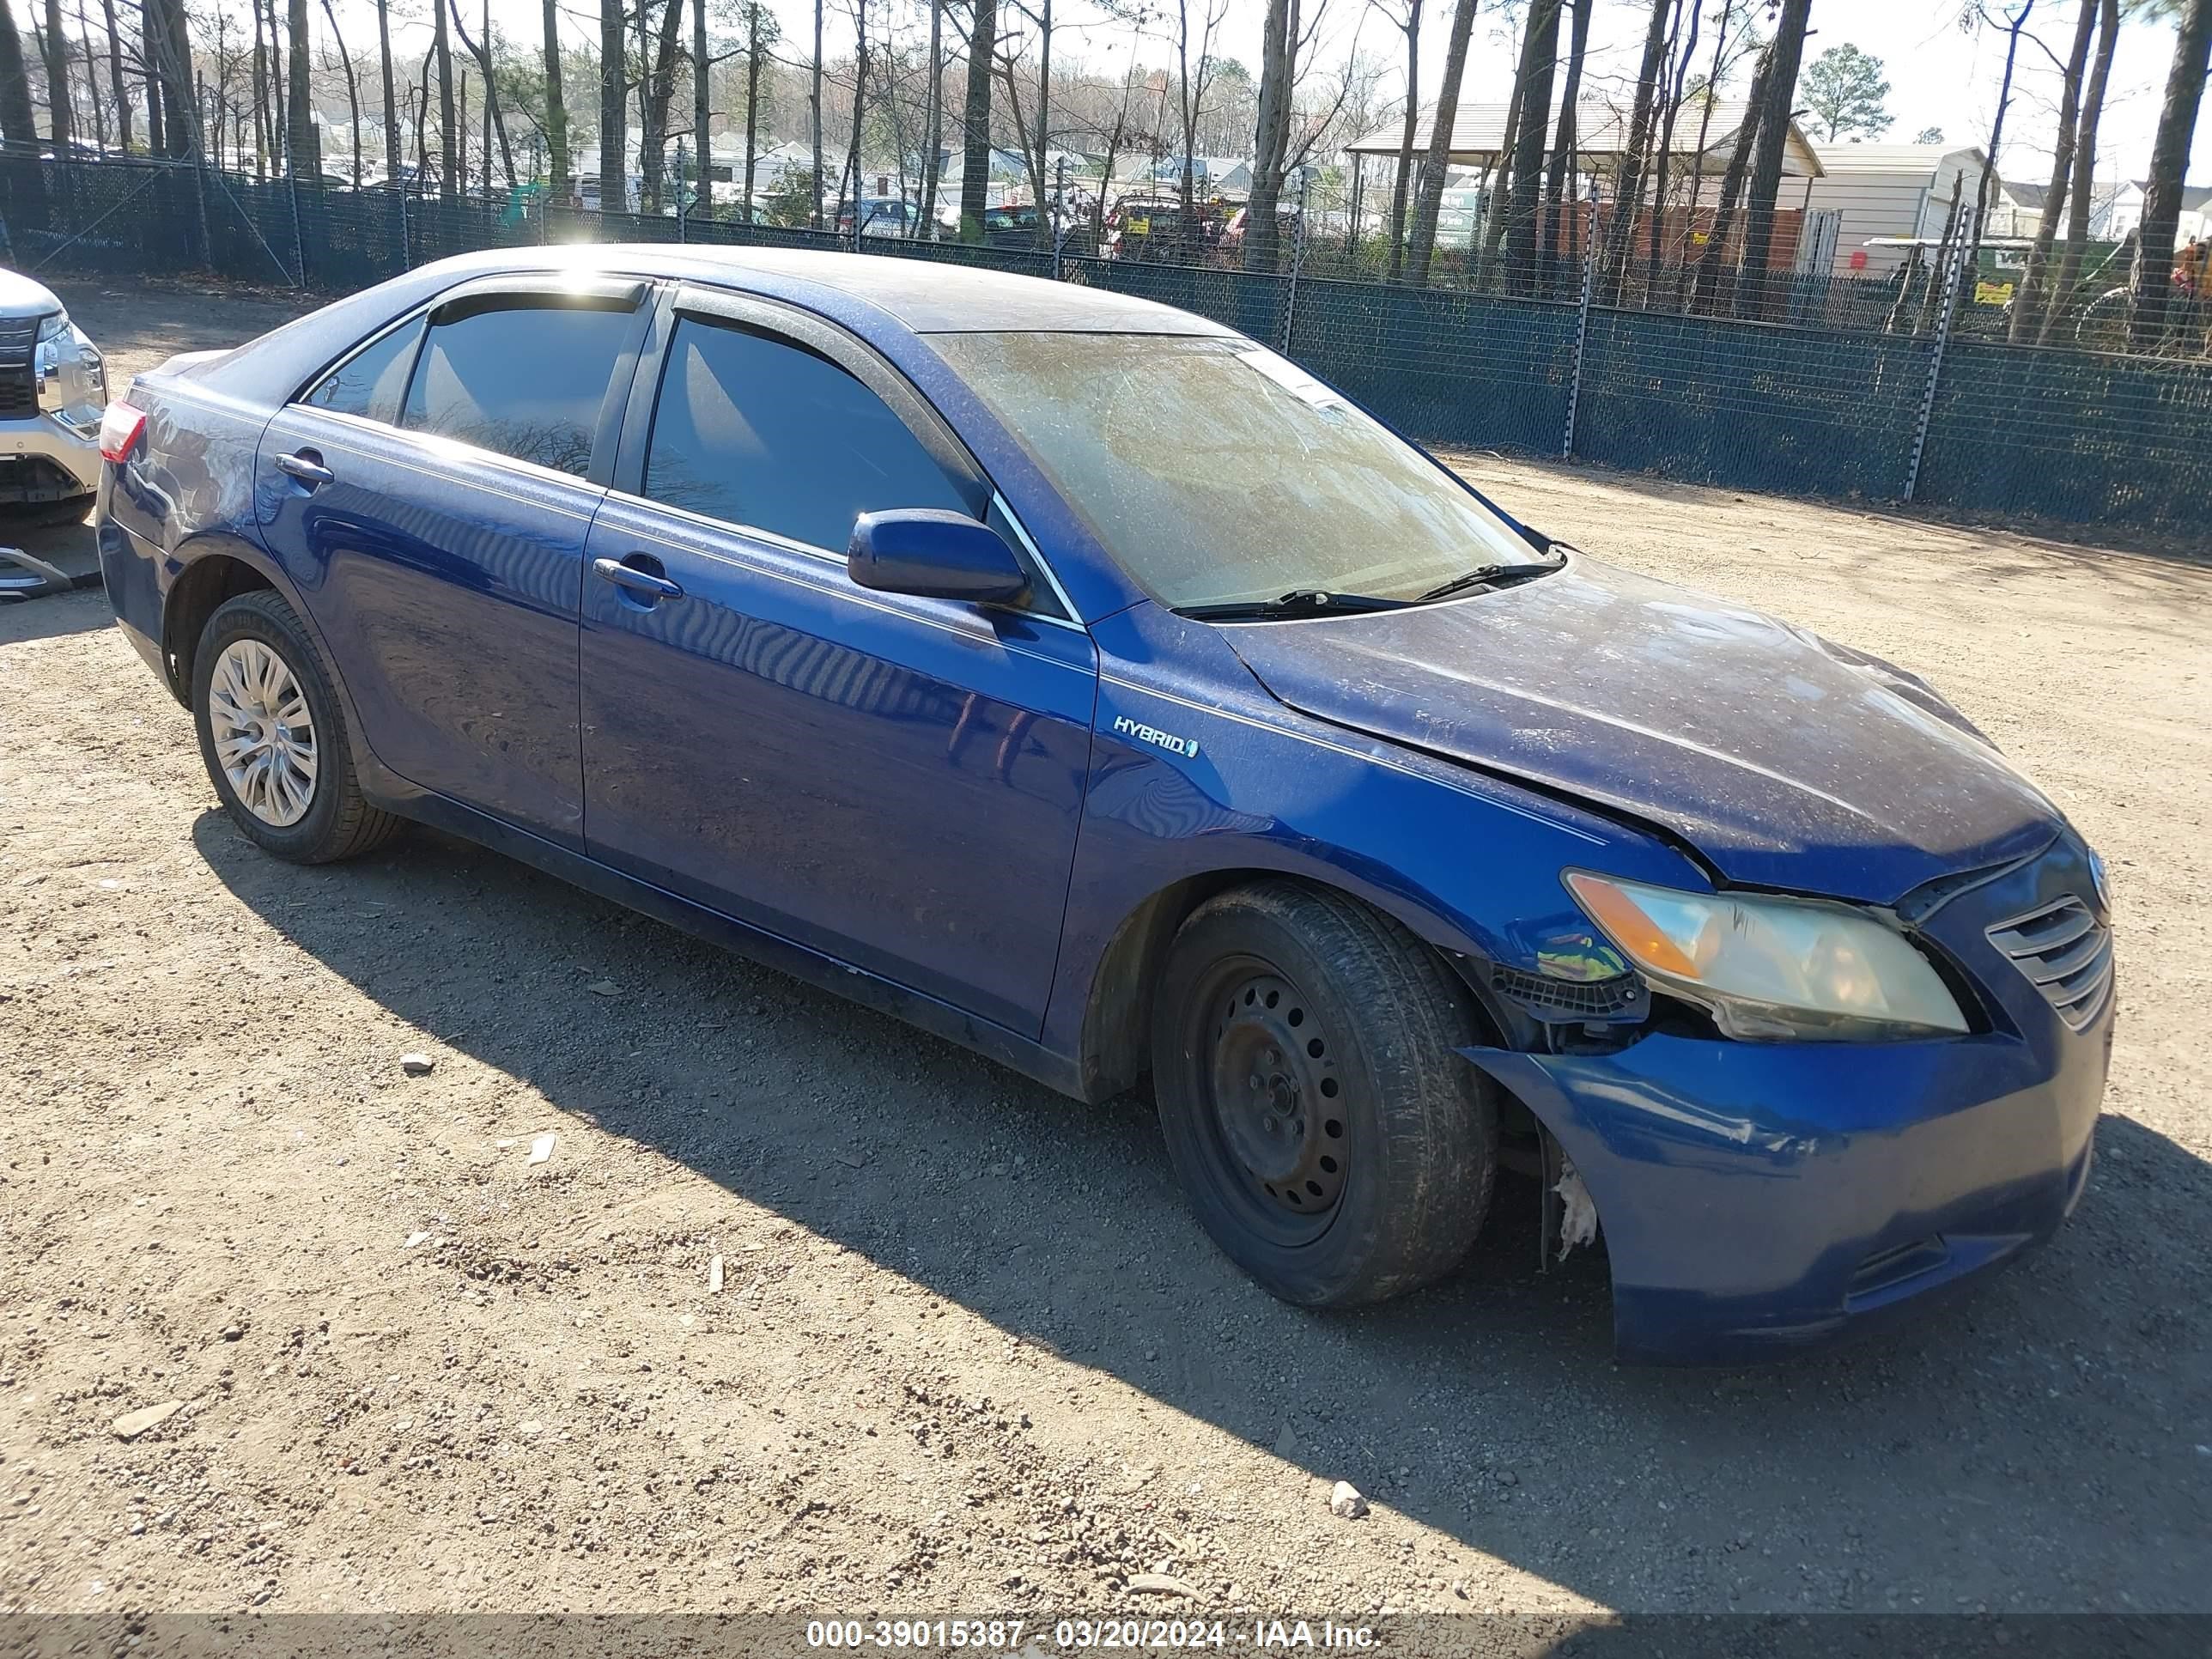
[[1773, 968], [53, 326]]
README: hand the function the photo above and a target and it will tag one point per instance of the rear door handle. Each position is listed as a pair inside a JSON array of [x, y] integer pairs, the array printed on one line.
[[624, 575], [307, 466]]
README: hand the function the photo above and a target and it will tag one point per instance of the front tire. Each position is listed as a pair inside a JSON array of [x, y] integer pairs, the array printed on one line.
[[273, 736], [1330, 1140]]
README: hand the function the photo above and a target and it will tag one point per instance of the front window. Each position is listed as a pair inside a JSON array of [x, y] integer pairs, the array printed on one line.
[[1216, 472]]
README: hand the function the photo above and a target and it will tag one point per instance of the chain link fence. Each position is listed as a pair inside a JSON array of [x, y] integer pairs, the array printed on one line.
[[1900, 389]]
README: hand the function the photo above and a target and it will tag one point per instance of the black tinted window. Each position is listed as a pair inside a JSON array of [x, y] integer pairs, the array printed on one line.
[[526, 382], [763, 434], [368, 384]]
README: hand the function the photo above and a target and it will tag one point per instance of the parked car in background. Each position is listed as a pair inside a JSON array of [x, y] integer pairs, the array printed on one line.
[[1085, 683], [880, 215], [1154, 227], [53, 387]]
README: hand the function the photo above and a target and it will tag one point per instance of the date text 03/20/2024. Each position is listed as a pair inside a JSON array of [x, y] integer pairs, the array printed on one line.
[[1004, 1635]]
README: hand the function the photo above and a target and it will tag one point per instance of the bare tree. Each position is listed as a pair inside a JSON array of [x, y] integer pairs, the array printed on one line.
[[494, 121], [1410, 26], [1772, 140], [449, 156], [614, 111], [1565, 144], [115, 75], [814, 107], [1538, 55], [2081, 202], [2169, 156], [2071, 71], [975, 132], [1422, 244], [18, 123], [352, 87], [303, 141], [391, 163], [557, 106], [1636, 153], [54, 49]]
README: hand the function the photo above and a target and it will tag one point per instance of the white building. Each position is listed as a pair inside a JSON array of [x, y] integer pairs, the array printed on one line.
[[1898, 191]]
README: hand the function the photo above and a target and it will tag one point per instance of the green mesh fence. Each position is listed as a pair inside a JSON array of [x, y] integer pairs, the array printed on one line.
[[1824, 399]]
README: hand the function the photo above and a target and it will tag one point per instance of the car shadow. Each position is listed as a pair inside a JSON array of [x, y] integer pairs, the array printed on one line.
[[2059, 1407], [51, 616]]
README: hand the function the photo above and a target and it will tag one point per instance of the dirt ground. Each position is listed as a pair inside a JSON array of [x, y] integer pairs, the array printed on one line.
[[970, 1355]]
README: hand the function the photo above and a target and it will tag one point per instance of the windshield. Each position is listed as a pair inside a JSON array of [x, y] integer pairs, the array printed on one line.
[[1216, 472]]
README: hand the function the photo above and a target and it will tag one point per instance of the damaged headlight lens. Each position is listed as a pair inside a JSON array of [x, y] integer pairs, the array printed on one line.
[[1772, 967]]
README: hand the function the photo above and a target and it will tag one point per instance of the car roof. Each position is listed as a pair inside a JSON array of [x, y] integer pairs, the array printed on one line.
[[921, 293]]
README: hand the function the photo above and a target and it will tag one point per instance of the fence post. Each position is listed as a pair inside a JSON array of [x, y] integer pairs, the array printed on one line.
[[682, 212], [1298, 260], [406, 239], [199, 195], [1582, 329], [299, 242], [1951, 278], [1059, 213]]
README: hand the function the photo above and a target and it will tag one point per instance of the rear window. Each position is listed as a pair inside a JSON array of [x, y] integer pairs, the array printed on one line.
[[526, 382]]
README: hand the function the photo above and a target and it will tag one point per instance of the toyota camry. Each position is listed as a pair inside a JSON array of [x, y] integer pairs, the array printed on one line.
[[1083, 682]]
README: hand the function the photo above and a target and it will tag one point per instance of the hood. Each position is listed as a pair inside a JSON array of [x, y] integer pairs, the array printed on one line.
[[1786, 761], [22, 297]]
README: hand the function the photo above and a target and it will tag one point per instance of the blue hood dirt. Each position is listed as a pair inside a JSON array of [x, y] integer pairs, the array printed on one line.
[[1787, 761]]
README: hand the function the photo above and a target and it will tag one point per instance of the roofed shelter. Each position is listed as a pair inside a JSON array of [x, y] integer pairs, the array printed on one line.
[[1478, 136]]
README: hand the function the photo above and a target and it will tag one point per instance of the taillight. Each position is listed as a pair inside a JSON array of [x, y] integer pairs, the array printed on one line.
[[120, 428]]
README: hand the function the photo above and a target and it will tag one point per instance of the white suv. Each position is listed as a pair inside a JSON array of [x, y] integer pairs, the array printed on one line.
[[53, 386]]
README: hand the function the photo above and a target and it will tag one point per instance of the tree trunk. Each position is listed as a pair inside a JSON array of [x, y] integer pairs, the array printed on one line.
[[280, 127], [1270, 137], [2062, 174], [494, 122], [814, 107], [702, 152], [303, 140], [2169, 156], [92, 80], [1628, 182], [1539, 56], [115, 76], [2081, 202], [1422, 245], [1970, 259], [1732, 180], [753, 101], [933, 121], [557, 106], [391, 152], [658, 92], [263, 146], [1557, 196], [449, 138], [19, 123], [1773, 141], [55, 47], [353, 86], [860, 106], [1405, 178], [613, 115], [170, 55], [976, 121], [1498, 184]]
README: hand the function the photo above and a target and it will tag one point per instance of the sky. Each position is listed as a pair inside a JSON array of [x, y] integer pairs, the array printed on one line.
[[1941, 75]]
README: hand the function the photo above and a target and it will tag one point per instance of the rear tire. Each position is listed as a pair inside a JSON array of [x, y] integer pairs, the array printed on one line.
[[1328, 1136], [274, 739]]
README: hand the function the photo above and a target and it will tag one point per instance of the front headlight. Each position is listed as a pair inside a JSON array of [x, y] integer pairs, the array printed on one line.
[[1773, 968], [52, 327]]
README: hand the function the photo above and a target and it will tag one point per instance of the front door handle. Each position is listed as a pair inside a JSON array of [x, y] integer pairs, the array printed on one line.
[[307, 466], [622, 573]]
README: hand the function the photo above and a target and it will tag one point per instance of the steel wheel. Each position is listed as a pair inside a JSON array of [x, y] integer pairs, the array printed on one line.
[[265, 735], [1274, 1089]]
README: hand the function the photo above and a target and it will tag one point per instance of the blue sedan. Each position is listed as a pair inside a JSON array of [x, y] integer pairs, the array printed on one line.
[[1087, 683]]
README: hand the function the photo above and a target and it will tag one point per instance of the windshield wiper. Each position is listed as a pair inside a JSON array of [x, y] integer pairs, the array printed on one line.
[[1298, 602], [1491, 576]]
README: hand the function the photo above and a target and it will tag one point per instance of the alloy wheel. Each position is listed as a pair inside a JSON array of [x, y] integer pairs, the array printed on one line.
[[265, 735]]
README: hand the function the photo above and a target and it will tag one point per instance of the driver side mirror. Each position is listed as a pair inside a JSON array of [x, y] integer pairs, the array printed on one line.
[[933, 554]]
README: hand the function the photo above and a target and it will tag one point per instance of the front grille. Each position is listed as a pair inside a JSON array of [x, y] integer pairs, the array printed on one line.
[[19, 385], [2066, 953]]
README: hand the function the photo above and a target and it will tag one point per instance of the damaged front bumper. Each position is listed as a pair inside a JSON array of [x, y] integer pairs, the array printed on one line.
[[1758, 1197]]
